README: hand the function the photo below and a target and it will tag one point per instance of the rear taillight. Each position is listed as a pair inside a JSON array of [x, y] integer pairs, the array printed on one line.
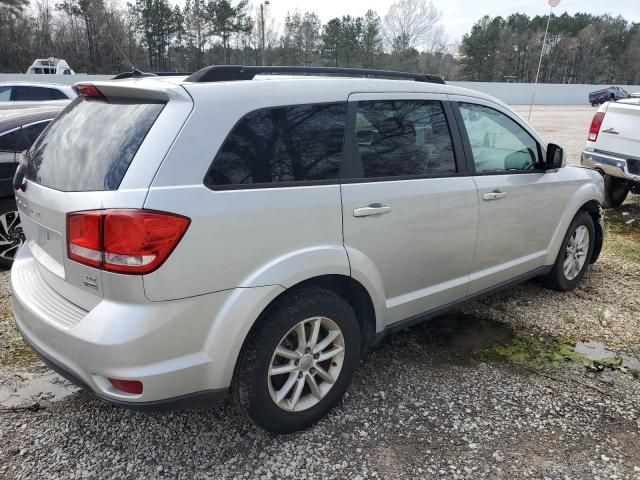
[[596, 123], [123, 240]]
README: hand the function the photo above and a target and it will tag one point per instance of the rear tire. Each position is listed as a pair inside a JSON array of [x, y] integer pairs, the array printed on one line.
[[574, 256], [11, 235], [284, 384], [615, 191]]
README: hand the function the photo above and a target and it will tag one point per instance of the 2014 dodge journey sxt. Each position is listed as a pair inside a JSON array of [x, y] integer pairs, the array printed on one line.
[[239, 230]]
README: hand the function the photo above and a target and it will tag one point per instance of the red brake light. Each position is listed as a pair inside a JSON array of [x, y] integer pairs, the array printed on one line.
[[83, 238], [88, 90], [128, 386], [596, 123], [124, 240]]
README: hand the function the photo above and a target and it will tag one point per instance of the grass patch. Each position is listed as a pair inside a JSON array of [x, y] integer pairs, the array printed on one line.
[[535, 353]]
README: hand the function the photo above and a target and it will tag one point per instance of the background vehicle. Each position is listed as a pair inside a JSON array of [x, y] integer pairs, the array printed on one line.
[[225, 232], [613, 149], [50, 66], [29, 94], [18, 130], [609, 94]]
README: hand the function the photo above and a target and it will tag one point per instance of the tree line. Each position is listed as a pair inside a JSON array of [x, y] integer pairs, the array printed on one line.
[[581, 48], [104, 36]]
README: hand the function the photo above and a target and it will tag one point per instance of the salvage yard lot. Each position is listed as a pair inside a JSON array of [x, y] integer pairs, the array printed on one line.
[[493, 390]]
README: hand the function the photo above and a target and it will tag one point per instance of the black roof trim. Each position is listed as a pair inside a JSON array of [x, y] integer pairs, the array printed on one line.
[[222, 73], [135, 73]]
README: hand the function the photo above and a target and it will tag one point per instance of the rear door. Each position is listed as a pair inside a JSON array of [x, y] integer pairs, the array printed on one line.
[[84, 161], [409, 208]]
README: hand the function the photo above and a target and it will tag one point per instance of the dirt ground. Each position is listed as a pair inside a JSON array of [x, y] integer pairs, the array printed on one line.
[[567, 126], [526, 383]]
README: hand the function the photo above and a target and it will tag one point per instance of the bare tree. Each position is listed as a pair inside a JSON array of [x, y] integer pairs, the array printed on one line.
[[411, 24]]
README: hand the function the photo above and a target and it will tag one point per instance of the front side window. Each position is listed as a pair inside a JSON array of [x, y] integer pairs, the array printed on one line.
[[498, 143], [399, 138], [298, 143]]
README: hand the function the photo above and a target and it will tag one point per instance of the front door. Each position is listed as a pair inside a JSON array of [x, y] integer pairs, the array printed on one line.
[[519, 203], [409, 211]]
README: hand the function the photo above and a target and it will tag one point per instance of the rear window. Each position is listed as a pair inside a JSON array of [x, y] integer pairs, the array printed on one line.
[[90, 145], [292, 144]]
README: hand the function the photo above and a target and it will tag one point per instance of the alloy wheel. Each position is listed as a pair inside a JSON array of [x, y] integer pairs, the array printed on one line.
[[11, 234], [306, 364], [576, 252]]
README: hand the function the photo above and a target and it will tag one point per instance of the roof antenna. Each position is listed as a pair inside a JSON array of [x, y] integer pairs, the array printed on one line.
[[134, 73]]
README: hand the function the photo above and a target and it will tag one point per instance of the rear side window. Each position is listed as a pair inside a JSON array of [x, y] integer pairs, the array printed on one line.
[[57, 94], [402, 138], [32, 93], [90, 145], [8, 141], [299, 143], [29, 134]]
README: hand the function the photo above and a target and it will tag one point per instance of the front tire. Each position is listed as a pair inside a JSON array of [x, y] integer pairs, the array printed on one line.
[[574, 256], [615, 191], [298, 361], [11, 235]]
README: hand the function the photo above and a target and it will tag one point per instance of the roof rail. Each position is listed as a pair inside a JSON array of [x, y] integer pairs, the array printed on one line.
[[221, 73], [135, 73]]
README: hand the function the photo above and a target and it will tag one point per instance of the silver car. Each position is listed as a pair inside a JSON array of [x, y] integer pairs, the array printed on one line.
[[254, 234]]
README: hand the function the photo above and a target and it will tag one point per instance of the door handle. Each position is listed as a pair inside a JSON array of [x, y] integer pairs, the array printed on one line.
[[611, 130], [371, 209], [495, 195]]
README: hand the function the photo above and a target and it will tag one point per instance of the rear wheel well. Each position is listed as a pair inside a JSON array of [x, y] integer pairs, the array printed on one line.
[[594, 209], [355, 294]]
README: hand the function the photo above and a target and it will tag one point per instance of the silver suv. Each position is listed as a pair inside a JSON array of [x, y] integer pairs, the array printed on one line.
[[191, 237]]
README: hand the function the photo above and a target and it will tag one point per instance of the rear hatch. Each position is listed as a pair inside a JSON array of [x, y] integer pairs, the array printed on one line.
[[100, 152]]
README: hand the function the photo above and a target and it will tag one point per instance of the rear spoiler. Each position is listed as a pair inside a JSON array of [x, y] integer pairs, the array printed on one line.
[[151, 90]]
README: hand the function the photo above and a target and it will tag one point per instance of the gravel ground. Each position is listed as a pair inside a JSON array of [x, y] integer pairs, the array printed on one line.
[[441, 400]]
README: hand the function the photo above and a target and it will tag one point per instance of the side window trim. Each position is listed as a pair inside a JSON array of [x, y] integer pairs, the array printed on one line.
[[352, 170], [467, 143]]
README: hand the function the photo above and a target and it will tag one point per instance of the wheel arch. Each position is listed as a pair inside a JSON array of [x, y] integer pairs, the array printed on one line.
[[588, 198], [593, 208]]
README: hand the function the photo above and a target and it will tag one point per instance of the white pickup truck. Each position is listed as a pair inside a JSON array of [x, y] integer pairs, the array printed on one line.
[[613, 149]]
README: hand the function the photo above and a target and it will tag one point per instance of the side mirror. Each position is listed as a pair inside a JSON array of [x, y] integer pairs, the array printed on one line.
[[555, 157]]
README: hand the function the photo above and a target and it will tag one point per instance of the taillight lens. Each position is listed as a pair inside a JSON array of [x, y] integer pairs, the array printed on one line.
[[596, 123], [123, 240], [83, 237], [87, 90]]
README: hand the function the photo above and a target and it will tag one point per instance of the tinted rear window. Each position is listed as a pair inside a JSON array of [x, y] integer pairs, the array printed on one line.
[[90, 145], [298, 143]]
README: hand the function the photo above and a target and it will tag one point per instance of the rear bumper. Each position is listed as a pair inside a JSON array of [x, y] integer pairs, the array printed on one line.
[[608, 163], [204, 399], [183, 351]]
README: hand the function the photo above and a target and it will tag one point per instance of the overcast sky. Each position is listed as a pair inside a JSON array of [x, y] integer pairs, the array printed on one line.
[[458, 16]]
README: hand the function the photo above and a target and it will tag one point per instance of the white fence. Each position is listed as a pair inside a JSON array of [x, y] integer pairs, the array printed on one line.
[[511, 93]]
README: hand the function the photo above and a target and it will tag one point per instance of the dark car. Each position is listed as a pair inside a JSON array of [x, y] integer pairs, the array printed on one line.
[[609, 94], [18, 130]]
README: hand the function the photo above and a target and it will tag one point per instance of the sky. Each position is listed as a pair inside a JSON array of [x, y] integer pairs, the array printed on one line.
[[458, 16]]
